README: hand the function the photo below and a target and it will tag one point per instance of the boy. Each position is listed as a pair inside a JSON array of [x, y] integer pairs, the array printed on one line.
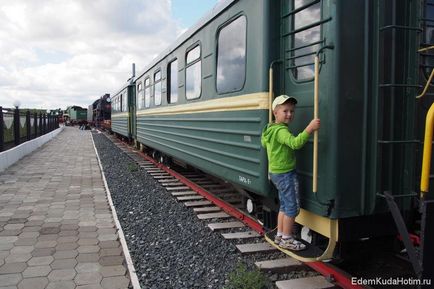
[[280, 145]]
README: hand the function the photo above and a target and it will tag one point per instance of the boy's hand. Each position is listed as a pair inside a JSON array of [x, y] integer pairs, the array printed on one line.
[[313, 125]]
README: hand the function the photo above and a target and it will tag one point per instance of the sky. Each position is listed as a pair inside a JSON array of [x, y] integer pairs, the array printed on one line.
[[58, 53]]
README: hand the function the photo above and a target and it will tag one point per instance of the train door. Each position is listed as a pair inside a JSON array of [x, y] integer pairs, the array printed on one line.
[[302, 35], [132, 111]]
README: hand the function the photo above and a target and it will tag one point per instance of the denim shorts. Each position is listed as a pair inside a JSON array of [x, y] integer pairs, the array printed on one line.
[[287, 185]]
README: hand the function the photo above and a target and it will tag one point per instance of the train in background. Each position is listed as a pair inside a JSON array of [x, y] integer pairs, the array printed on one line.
[[99, 113], [204, 101]]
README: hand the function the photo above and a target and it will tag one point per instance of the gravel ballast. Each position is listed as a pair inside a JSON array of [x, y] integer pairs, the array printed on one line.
[[169, 246]]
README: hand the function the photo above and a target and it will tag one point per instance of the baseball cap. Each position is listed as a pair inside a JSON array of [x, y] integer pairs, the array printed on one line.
[[281, 99]]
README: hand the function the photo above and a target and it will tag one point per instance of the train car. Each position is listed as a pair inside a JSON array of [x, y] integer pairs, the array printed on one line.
[[77, 114], [205, 100], [123, 111]]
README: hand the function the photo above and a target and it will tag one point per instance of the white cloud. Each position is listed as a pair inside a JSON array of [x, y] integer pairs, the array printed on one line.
[[57, 53]]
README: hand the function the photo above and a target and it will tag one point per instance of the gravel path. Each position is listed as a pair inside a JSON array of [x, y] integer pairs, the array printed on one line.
[[170, 247]]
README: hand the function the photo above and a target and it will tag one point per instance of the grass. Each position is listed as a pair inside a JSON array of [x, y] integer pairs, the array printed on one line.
[[132, 167], [242, 278]]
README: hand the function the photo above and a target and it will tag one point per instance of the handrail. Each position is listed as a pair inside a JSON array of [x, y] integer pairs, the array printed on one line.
[[427, 149], [430, 76], [427, 84], [315, 134], [316, 115], [426, 48], [270, 90]]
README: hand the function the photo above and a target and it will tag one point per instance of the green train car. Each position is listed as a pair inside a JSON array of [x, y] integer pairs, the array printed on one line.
[[122, 111], [205, 100]]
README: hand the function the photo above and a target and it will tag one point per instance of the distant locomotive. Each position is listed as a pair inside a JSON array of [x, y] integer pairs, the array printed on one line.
[[205, 100], [99, 112]]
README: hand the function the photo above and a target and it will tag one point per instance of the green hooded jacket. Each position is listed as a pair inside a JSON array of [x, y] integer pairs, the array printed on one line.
[[280, 145]]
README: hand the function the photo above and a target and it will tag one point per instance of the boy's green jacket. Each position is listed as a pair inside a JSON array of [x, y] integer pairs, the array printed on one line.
[[280, 145]]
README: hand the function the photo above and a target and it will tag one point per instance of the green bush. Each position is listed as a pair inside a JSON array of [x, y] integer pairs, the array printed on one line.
[[242, 278]]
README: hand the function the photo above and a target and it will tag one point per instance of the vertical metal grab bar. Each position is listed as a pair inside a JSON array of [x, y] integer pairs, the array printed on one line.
[[315, 134], [316, 115], [427, 150]]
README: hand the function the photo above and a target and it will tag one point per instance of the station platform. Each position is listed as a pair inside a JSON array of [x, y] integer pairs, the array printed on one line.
[[56, 224]]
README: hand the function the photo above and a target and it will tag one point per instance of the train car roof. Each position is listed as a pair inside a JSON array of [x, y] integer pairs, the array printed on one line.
[[216, 10], [129, 82]]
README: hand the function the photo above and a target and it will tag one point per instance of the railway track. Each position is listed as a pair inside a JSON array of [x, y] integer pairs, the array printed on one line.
[[219, 205]]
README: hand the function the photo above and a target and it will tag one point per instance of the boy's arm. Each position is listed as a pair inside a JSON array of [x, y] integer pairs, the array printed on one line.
[[294, 142]]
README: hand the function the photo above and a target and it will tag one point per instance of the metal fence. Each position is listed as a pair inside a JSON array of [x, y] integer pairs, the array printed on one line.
[[18, 126]]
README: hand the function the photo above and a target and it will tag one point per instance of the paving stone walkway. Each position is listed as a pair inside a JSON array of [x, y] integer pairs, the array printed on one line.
[[56, 226]]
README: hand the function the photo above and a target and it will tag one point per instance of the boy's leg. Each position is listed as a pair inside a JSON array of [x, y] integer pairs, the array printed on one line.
[[291, 210], [280, 218], [288, 223], [279, 234]]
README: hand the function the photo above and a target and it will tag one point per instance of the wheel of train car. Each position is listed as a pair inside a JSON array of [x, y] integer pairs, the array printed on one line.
[[165, 160], [155, 155]]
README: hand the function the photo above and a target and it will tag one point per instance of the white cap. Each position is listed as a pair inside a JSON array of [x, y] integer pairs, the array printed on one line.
[[282, 99]]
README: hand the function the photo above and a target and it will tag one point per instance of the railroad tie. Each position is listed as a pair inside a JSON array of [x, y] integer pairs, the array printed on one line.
[[226, 225], [280, 265], [241, 235], [177, 188], [170, 184], [154, 171], [206, 209], [159, 177], [189, 198], [172, 180], [197, 203], [162, 173], [206, 216], [184, 193], [316, 282], [255, 248]]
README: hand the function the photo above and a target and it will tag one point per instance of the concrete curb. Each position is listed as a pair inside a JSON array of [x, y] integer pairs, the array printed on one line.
[[130, 264], [9, 157]]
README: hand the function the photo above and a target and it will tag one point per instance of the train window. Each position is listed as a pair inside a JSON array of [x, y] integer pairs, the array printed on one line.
[[147, 92], [193, 74], [140, 96], [305, 42], [157, 88], [231, 56], [124, 102], [172, 78]]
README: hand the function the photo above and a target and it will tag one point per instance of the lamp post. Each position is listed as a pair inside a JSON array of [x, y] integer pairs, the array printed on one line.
[[48, 121], [2, 137], [16, 122]]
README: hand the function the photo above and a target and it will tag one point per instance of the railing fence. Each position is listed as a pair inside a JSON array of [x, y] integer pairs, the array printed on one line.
[[18, 126]]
